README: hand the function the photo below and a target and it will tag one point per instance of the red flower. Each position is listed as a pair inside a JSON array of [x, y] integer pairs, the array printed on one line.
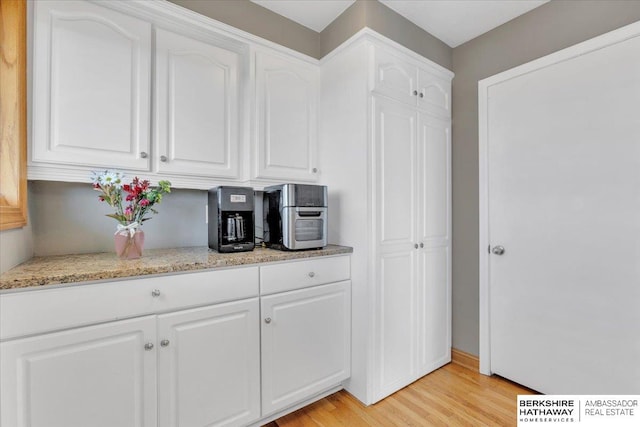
[[144, 202]]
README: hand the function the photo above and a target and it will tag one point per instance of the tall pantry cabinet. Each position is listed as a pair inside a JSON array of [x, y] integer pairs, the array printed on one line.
[[385, 144]]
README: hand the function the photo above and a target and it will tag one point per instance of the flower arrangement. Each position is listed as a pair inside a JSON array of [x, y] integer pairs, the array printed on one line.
[[138, 196], [133, 204]]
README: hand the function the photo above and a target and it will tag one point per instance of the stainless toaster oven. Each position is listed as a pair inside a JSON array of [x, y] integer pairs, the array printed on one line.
[[295, 216]]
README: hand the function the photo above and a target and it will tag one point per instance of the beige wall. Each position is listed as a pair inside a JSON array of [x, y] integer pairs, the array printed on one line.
[[551, 27]]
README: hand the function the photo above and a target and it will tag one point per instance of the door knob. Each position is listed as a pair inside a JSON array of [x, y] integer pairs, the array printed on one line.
[[498, 250], [267, 320]]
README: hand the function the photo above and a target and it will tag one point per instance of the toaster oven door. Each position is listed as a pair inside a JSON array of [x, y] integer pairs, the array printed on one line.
[[304, 227]]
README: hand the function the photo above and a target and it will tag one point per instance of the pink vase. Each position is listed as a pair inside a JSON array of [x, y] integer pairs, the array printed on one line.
[[128, 246]]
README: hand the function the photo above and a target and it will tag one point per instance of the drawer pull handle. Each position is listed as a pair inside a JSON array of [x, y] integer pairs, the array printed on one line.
[[155, 293], [164, 343], [267, 320], [148, 346], [312, 274]]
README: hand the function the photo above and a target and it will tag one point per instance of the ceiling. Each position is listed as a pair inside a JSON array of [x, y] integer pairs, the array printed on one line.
[[452, 21]]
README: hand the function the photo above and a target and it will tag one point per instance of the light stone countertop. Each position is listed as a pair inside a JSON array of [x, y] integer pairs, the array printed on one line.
[[50, 270]]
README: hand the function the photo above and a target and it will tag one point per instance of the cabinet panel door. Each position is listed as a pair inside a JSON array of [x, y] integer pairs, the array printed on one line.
[[434, 152], [434, 94], [209, 371], [91, 98], [98, 375], [434, 309], [395, 180], [395, 78], [434, 229], [396, 326], [197, 112], [306, 343], [286, 114]]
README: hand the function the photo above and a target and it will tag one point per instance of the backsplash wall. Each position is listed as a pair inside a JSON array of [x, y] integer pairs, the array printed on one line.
[[68, 218]]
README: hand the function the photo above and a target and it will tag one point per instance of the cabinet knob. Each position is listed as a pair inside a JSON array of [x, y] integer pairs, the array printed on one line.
[[311, 274], [267, 320], [164, 343], [148, 346], [415, 245], [314, 170], [163, 158], [421, 94], [155, 293], [144, 154], [498, 250], [415, 93], [422, 245]]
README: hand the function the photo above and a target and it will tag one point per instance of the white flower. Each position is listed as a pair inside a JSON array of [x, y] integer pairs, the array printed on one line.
[[112, 178], [96, 177]]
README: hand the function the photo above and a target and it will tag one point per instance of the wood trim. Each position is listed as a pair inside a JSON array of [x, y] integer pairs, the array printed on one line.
[[13, 114], [465, 359]]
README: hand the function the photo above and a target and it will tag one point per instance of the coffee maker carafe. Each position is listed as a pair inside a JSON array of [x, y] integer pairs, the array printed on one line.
[[231, 219]]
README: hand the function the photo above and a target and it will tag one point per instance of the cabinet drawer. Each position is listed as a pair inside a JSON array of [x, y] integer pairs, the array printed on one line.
[[38, 311], [302, 274]]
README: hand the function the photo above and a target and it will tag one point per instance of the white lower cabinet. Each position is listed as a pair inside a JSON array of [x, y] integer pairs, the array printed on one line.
[[208, 372], [306, 340], [209, 366], [99, 376], [188, 354]]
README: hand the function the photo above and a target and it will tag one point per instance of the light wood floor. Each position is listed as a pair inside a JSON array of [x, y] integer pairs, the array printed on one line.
[[450, 396]]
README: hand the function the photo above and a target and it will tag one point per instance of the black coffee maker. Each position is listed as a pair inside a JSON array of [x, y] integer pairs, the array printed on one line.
[[231, 219]]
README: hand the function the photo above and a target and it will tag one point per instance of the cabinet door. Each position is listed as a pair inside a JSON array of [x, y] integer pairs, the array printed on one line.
[[99, 376], [434, 229], [396, 198], [209, 366], [306, 343], [395, 77], [286, 114], [91, 81], [434, 94], [197, 107]]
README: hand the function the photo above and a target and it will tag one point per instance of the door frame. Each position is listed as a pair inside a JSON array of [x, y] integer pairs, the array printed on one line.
[[596, 43]]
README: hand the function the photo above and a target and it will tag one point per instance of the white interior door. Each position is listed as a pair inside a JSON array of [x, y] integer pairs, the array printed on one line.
[[563, 180]]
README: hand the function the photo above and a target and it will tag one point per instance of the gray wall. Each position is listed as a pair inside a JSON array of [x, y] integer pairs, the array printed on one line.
[[258, 20], [262, 22], [551, 27], [16, 245], [68, 218], [378, 17]]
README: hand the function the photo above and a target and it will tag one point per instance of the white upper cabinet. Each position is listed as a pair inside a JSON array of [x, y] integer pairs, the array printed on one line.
[[285, 118], [197, 94], [401, 79], [91, 71]]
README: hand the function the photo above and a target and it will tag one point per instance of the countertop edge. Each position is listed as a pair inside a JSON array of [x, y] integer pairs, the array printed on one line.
[[77, 269]]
